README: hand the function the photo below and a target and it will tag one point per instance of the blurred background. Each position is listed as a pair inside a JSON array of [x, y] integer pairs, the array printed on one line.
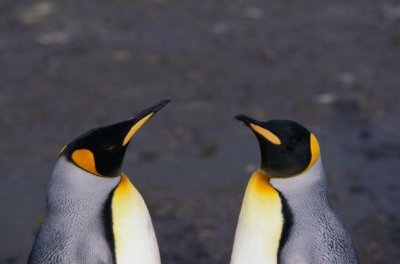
[[69, 66]]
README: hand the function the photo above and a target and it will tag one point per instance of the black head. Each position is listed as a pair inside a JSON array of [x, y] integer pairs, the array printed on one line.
[[287, 148], [101, 151]]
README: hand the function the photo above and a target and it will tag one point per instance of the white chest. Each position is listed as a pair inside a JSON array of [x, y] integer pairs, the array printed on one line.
[[260, 224], [135, 240]]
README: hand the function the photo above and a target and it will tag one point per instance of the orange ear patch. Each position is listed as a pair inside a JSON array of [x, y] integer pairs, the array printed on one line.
[[315, 151], [84, 158]]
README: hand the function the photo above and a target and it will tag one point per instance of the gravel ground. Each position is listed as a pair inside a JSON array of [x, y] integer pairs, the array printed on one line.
[[68, 66]]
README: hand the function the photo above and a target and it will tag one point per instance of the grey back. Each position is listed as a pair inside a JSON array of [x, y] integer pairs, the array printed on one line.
[[316, 235], [74, 229]]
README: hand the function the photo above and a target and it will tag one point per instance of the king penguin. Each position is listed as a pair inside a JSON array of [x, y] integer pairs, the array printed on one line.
[[286, 216], [94, 213]]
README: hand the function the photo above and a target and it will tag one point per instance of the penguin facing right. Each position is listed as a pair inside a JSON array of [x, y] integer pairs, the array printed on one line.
[[94, 213], [286, 217]]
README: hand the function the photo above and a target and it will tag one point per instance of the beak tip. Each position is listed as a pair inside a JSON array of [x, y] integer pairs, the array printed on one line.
[[165, 101], [160, 105], [238, 117], [243, 118]]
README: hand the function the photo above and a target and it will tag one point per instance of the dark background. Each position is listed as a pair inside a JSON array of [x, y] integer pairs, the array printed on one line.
[[334, 66]]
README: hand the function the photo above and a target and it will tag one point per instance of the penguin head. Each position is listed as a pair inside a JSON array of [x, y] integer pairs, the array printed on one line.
[[287, 148], [101, 151]]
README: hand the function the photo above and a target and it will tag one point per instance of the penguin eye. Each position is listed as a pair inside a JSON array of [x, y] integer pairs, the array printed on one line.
[[111, 147], [294, 141]]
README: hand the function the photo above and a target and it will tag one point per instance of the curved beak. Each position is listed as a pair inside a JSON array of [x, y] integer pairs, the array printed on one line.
[[246, 120], [140, 119], [151, 110], [259, 129]]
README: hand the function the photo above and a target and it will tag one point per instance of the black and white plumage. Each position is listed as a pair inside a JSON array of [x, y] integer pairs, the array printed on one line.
[[286, 216], [94, 214]]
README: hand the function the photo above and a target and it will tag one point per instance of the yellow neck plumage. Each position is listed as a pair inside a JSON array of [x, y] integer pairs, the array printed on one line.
[[134, 237], [260, 223]]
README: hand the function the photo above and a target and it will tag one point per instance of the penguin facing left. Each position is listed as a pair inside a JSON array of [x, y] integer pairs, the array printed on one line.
[[94, 214], [286, 216]]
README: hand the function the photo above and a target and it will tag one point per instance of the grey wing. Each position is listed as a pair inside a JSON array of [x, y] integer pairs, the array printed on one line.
[[53, 246], [46, 249], [336, 245], [94, 249]]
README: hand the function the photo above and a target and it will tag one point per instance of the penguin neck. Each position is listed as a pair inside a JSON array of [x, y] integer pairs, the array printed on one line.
[[260, 223], [298, 190], [72, 185]]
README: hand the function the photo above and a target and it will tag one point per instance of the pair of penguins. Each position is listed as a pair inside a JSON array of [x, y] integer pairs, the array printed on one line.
[[96, 215]]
